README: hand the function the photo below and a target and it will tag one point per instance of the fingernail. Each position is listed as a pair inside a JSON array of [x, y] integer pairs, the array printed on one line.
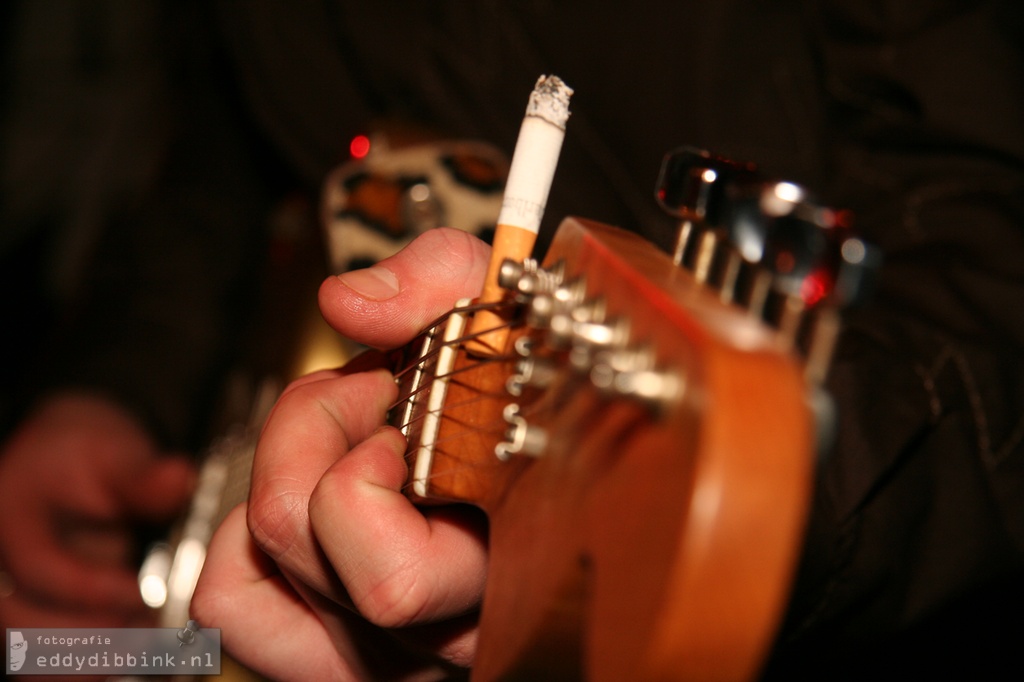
[[375, 283]]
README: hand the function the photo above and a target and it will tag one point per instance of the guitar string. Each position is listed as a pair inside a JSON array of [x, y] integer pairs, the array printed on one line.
[[431, 330], [427, 384], [412, 394], [423, 361], [464, 464], [244, 464], [495, 425]]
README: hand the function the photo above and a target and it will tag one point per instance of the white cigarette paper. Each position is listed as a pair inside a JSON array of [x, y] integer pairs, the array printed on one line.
[[536, 154], [526, 193]]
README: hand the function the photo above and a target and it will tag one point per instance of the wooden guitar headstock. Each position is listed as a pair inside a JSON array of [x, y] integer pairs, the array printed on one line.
[[647, 487]]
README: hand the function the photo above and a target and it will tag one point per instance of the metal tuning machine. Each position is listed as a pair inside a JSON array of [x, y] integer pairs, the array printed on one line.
[[773, 248], [692, 187]]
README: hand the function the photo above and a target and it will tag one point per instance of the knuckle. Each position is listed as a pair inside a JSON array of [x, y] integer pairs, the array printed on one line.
[[446, 252], [397, 601], [276, 513], [275, 517]]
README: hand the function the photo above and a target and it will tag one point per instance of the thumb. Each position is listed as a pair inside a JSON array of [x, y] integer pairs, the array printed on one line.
[[386, 305]]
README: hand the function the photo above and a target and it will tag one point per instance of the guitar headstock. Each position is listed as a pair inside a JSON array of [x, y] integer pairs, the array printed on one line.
[[655, 525], [643, 455], [645, 447]]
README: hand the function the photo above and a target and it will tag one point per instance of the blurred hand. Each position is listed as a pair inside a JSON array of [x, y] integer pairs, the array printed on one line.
[[332, 572], [77, 480]]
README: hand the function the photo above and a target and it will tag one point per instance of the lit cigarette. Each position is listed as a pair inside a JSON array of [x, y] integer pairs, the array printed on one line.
[[526, 194]]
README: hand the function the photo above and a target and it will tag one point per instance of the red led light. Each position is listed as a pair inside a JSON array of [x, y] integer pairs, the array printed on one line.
[[816, 286], [359, 147]]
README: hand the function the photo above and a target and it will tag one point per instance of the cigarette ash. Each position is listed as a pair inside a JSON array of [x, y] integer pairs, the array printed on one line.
[[550, 100]]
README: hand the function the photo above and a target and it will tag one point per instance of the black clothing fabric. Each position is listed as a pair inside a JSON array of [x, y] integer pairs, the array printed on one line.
[[134, 204], [911, 115]]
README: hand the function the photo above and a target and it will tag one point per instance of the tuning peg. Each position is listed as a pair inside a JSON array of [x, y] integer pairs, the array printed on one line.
[[691, 187], [521, 437], [691, 182], [807, 264], [807, 247], [528, 278], [776, 228]]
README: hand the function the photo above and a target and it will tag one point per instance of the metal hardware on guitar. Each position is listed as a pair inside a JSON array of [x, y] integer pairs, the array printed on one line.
[[772, 247], [768, 244]]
